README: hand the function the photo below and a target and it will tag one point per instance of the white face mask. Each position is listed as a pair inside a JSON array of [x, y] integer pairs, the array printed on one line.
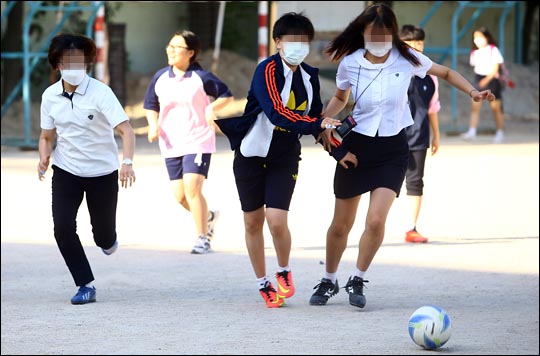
[[294, 53], [480, 42], [378, 49], [73, 76]]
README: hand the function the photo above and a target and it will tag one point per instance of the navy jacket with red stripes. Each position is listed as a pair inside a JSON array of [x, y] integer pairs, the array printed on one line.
[[265, 95]]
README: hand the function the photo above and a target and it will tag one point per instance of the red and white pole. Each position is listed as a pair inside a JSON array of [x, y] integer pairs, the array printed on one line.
[[263, 30], [100, 38]]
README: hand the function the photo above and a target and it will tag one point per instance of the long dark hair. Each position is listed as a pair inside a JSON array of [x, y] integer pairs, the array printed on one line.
[[352, 38], [490, 39]]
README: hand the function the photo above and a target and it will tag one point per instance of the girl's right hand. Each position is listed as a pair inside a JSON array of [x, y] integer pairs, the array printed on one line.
[[349, 161], [42, 168]]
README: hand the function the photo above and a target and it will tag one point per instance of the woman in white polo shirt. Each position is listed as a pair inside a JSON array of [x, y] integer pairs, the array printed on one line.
[[81, 113], [376, 70]]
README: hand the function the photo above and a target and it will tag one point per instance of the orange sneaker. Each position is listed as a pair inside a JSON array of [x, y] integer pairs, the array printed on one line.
[[285, 284], [270, 296], [414, 236]]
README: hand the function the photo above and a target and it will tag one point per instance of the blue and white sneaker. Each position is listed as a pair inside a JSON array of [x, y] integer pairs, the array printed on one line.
[[202, 246], [84, 295], [110, 250]]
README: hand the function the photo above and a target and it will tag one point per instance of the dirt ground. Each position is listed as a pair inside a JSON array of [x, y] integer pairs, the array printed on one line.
[[480, 212], [481, 265]]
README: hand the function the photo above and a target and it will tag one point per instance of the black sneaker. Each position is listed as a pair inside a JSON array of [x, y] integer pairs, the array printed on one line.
[[325, 290], [355, 288]]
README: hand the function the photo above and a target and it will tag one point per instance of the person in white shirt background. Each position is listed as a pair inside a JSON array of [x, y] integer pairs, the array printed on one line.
[[486, 60], [81, 114], [376, 69]]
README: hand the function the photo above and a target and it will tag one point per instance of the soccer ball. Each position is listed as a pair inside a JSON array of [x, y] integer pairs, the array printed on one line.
[[430, 327]]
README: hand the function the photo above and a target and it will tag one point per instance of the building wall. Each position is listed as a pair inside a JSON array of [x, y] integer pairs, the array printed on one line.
[[149, 27]]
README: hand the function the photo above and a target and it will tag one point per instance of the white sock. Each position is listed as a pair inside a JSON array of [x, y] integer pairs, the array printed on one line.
[[331, 276], [472, 131], [89, 285], [358, 273], [500, 132], [283, 269], [262, 282]]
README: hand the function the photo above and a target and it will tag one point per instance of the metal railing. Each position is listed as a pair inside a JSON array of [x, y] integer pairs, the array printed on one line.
[[30, 59], [458, 33]]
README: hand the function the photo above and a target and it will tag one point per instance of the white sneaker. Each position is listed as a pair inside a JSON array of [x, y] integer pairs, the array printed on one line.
[[212, 219], [467, 136], [499, 137], [202, 245]]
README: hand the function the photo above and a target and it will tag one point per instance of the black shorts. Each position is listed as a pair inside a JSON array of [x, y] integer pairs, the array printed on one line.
[[382, 163], [494, 85], [268, 180], [191, 163]]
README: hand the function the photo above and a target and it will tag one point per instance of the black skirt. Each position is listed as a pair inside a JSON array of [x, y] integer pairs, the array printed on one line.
[[382, 163]]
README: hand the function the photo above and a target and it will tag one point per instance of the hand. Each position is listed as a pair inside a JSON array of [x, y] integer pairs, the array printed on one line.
[[330, 123], [328, 140], [153, 134], [434, 145], [483, 95], [349, 161], [42, 168], [210, 116], [126, 175]]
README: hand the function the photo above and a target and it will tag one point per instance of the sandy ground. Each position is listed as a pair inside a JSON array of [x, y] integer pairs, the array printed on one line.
[[481, 209]]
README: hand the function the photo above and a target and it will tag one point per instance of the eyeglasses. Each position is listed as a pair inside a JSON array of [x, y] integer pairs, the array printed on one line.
[[175, 48]]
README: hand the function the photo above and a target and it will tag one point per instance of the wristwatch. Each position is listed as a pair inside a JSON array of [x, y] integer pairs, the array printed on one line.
[[127, 161]]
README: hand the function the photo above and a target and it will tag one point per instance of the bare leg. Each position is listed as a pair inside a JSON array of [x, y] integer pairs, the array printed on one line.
[[475, 115], [281, 235], [416, 204], [254, 222], [496, 108], [380, 202], [338, 232], [193, 184]]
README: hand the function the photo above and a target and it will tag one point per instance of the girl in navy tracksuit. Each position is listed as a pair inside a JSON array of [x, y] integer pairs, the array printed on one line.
[[283, 104]]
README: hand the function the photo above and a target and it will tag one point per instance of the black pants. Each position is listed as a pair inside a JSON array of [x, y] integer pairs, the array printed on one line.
[[101, 198], [414, 178]]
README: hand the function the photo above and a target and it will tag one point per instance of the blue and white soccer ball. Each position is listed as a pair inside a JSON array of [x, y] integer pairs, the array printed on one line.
[[430, 327]]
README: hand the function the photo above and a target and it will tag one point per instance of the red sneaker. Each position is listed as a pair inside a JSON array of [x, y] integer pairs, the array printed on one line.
[[270, 296], [414, 236], [285, 284]]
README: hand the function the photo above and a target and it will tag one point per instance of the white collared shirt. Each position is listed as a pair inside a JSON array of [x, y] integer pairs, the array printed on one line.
[[380, 90], [84, 127]]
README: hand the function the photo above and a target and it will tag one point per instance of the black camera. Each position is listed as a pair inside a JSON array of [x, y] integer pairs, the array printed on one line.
[[346, 126]]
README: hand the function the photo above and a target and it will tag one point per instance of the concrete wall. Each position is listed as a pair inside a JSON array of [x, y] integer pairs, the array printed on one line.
[[149, 27]]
